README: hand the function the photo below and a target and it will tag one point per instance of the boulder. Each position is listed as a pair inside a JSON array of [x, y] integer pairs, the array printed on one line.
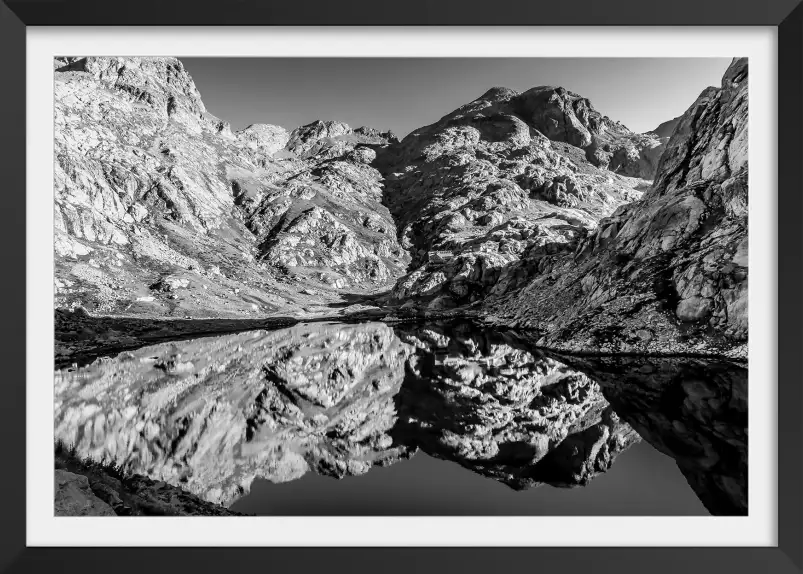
[[73, 497]]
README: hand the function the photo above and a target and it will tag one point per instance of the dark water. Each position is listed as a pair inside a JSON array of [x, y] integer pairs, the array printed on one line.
[[643, 482], [415, 419]]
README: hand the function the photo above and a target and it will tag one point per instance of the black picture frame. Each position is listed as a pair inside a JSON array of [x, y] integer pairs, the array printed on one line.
[[786, 15]]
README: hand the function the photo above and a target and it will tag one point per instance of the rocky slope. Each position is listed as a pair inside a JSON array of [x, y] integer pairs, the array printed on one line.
[[505, 175], [73, 497], [667, 273], [665, 130], [161, 210]]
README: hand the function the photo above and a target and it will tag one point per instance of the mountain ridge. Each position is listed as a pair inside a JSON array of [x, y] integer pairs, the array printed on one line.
[[163, 211]]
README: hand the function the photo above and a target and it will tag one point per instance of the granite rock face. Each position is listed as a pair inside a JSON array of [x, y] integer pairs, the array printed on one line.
[[162, 210], [667, 273], [499, 177], [564, 116], [73, 497]]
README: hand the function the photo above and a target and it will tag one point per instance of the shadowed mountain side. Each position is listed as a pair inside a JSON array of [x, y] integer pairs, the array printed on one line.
[[666, 129], [665, 274]]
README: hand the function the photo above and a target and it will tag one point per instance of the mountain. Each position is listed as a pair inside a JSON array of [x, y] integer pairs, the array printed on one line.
[[161, 210], [527, 209], [667, 273], [500, 176]]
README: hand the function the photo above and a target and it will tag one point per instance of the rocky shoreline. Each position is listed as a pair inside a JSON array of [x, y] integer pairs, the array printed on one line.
[[84, 487]]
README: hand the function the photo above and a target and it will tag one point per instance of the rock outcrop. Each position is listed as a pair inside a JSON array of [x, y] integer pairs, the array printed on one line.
[[161, 210], [564, 116], [667, 273], [85, 487], [73, 497]]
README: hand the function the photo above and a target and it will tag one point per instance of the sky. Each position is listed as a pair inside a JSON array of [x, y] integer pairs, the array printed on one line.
[[403, 94]]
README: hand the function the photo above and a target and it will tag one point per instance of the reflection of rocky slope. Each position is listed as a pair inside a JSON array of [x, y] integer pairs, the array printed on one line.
[[667, 273], [211, 414], [505, 175], [695, 411], [486, 402], [162, 211]]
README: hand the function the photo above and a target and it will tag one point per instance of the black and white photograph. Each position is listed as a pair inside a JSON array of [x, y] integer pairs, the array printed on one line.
[[377, 286]]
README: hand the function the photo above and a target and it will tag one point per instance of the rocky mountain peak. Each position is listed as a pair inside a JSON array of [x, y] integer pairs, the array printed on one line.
[[333, 138], [266, 138], [709, 142], [735, 74], [665, 129], [498, 94], [372, 133], [160, 83]]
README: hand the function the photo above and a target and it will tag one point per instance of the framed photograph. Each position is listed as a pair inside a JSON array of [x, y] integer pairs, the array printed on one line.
[[413, 287]]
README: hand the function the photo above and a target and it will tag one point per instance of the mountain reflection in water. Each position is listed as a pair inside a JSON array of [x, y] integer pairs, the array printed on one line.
[[212, 414]]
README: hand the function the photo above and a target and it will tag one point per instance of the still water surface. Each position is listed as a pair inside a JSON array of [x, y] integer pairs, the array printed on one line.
[[415, 419]]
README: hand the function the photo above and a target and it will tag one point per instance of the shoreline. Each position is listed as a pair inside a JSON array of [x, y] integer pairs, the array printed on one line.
[[82, 338]]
